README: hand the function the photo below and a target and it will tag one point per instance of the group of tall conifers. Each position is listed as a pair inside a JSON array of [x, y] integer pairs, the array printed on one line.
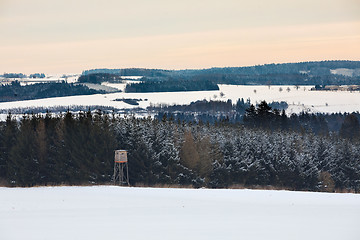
[[264, 117], [39, 150], [79, 149]]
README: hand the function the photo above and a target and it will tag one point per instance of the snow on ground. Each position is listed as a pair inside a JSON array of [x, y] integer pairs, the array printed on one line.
[[100, 87], [70, 78], [301, 99], [119, 86], [109, 212], [132, 77], [346, 72]]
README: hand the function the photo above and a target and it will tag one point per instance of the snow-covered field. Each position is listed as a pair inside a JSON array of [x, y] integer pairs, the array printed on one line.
[[70, 78], [301, 99], [109, 212]]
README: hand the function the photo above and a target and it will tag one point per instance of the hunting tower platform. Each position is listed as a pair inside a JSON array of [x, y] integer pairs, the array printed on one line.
[[121, 169]]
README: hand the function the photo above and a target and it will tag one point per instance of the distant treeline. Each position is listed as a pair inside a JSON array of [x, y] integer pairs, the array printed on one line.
[[213, 106], [79, 149], [153, 84], [271, 116], [21, 75], [304, 73], [171, 85], [59, 109], [217, 111], [131, 72], [16, 92], [313, 68], [99, 78]]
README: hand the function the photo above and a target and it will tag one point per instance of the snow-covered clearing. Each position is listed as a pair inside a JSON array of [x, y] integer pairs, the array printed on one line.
[[346, 72], [301, 99], [100, 87], [109, 212]]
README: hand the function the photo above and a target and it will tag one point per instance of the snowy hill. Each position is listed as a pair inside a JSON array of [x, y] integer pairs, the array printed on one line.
[[110, 212], [301, 99]]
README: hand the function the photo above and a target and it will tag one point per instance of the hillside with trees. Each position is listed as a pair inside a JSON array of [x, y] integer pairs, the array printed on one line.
[[303, 73], [16, 92], [314, 68]]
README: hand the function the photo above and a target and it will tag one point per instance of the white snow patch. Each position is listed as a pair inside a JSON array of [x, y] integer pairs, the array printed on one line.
[[120, 86], [98, 87], [110, 212], [346, 72], [132, 77]]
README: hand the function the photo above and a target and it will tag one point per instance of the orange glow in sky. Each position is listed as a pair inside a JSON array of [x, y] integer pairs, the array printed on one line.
[[66, 37]]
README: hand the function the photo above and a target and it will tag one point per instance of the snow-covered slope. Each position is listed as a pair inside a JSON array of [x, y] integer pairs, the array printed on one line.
[[110, 212], [299, 99]]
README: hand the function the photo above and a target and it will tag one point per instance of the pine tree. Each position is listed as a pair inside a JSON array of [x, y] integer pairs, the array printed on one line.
[[250, 117], [23, 162], [350, 128], [8, 139]]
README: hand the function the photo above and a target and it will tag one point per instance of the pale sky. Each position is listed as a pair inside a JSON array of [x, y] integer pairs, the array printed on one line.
[[68, 36]]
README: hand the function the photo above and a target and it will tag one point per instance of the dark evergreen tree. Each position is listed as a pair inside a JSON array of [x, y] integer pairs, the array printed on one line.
[[8, 135], [250, 118], [350, 128], [24, 165]]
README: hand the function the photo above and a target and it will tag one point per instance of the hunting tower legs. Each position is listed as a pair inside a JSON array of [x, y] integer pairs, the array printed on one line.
[[121, 173]]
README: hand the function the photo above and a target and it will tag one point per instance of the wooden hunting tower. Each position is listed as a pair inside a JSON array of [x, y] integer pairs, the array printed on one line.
[[121, 170]]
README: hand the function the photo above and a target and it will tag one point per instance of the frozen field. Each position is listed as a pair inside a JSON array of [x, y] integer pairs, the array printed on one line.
[[301, 99], [109, 212], [70, 78]]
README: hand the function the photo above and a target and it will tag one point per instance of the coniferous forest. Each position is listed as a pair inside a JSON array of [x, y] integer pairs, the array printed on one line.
[[79, 149], [16, 92], [301, 73]]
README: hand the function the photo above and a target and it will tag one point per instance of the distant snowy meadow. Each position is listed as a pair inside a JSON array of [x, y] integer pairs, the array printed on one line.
[[299, 98], [109, 212]]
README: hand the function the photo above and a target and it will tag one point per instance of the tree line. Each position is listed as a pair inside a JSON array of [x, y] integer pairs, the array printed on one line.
[[21, 75], [16, 92], [312, 68], [269, 116], [79, 149], [302, 73], [171, 85]]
